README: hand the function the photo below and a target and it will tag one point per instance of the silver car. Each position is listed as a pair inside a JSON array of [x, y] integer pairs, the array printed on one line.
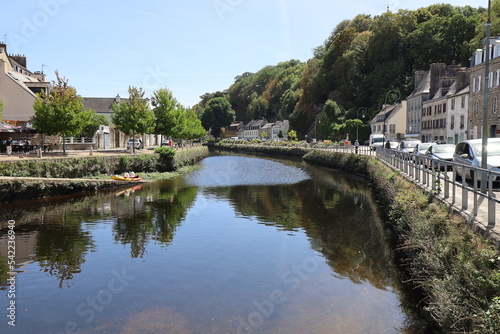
[[441, 155], [469, 153]]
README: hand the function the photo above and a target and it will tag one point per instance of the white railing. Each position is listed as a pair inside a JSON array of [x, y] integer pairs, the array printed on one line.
[[440, 177]]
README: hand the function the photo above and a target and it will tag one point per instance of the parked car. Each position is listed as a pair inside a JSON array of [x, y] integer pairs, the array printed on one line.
[[469, 153], [394, 145], [376, 140], [408, 146], [440, 153], [420, 149], [136, 142]]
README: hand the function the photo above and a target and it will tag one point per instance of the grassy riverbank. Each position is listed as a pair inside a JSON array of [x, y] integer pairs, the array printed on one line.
[[454, 270], [29, 179]]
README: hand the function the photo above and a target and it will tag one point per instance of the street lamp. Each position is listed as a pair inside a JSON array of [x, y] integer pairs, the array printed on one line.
[[363, 109], [484, 155]]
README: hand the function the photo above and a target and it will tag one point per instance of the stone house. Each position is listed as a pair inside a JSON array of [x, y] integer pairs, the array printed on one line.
[[252, 129], [477, 89]]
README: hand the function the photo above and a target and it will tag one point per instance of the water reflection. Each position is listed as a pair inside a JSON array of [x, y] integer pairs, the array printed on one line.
[[210, 248]]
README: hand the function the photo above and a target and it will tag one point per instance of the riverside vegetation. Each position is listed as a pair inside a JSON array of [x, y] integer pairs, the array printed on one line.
[[454, 270], [80, 170]]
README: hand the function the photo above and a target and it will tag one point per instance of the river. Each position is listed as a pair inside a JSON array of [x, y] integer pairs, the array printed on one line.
[[241, 245]]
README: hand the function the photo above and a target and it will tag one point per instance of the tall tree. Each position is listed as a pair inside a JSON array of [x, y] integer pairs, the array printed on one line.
[[193, 128], [133, 116], [60, 111], [218, 113], [169, 117]]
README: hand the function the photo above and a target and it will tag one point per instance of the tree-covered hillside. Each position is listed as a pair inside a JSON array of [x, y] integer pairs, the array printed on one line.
[[358, 64]]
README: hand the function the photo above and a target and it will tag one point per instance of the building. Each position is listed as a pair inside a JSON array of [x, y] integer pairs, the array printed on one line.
[[458, 102], [252, 129], [391, 121], [232, 130], [435, 119], [415, 101], [477, 89], [282, 126], [108, 136], [18, 87]]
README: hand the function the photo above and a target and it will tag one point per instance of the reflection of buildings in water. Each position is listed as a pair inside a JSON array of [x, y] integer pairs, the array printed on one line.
[[25, 248]]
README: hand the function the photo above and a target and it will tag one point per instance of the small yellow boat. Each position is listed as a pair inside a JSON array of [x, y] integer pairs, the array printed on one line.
[[123, 178]]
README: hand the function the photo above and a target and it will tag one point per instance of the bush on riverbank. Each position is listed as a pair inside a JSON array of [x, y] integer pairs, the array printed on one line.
[[356, 164], [456, 269]]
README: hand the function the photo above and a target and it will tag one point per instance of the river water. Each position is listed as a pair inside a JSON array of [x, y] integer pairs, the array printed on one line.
[[241, 245]]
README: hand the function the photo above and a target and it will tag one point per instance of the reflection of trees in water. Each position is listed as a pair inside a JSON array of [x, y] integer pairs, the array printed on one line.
[[62, 242], [340, 221], [61, 248], [155, 218]]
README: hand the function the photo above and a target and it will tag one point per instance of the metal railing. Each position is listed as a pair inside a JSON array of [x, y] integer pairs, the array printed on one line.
[[441, 177]]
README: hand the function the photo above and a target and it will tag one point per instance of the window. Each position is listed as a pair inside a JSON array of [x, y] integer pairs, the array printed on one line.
[[452, 123], [476, 108], [462, 122], [463, 101], [392, 128], [452, 104], [496, 78], [478, 83], [494, 105]]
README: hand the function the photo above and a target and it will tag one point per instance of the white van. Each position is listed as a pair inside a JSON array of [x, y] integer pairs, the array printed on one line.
[[376, 140]]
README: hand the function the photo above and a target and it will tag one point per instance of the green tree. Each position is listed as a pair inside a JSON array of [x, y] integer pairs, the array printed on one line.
[[1, 108], [60, 111], [168, 113], [258, 108], [280, 134], [218, 113], [92, 121], [193, 128], [133, 116], [292, 135]]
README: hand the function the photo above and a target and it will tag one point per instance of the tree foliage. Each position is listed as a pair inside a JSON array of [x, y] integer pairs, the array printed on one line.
[[1, 108], [218, 113], [168, 113], [60, 111], [134, 115], [92, 121], [359, 62]]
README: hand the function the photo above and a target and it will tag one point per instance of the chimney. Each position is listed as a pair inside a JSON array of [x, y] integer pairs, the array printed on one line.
[[19, 59], [419, 76], [438, 70], [117, 98], [463, 80]]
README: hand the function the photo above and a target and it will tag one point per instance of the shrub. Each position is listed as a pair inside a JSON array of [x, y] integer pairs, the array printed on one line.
[[165, 152]]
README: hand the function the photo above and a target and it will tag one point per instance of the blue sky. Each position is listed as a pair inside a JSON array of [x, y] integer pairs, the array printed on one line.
[[190, 47]]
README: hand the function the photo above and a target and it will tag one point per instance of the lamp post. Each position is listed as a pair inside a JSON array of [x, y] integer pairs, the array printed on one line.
[[484, 155], [357, 117]]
